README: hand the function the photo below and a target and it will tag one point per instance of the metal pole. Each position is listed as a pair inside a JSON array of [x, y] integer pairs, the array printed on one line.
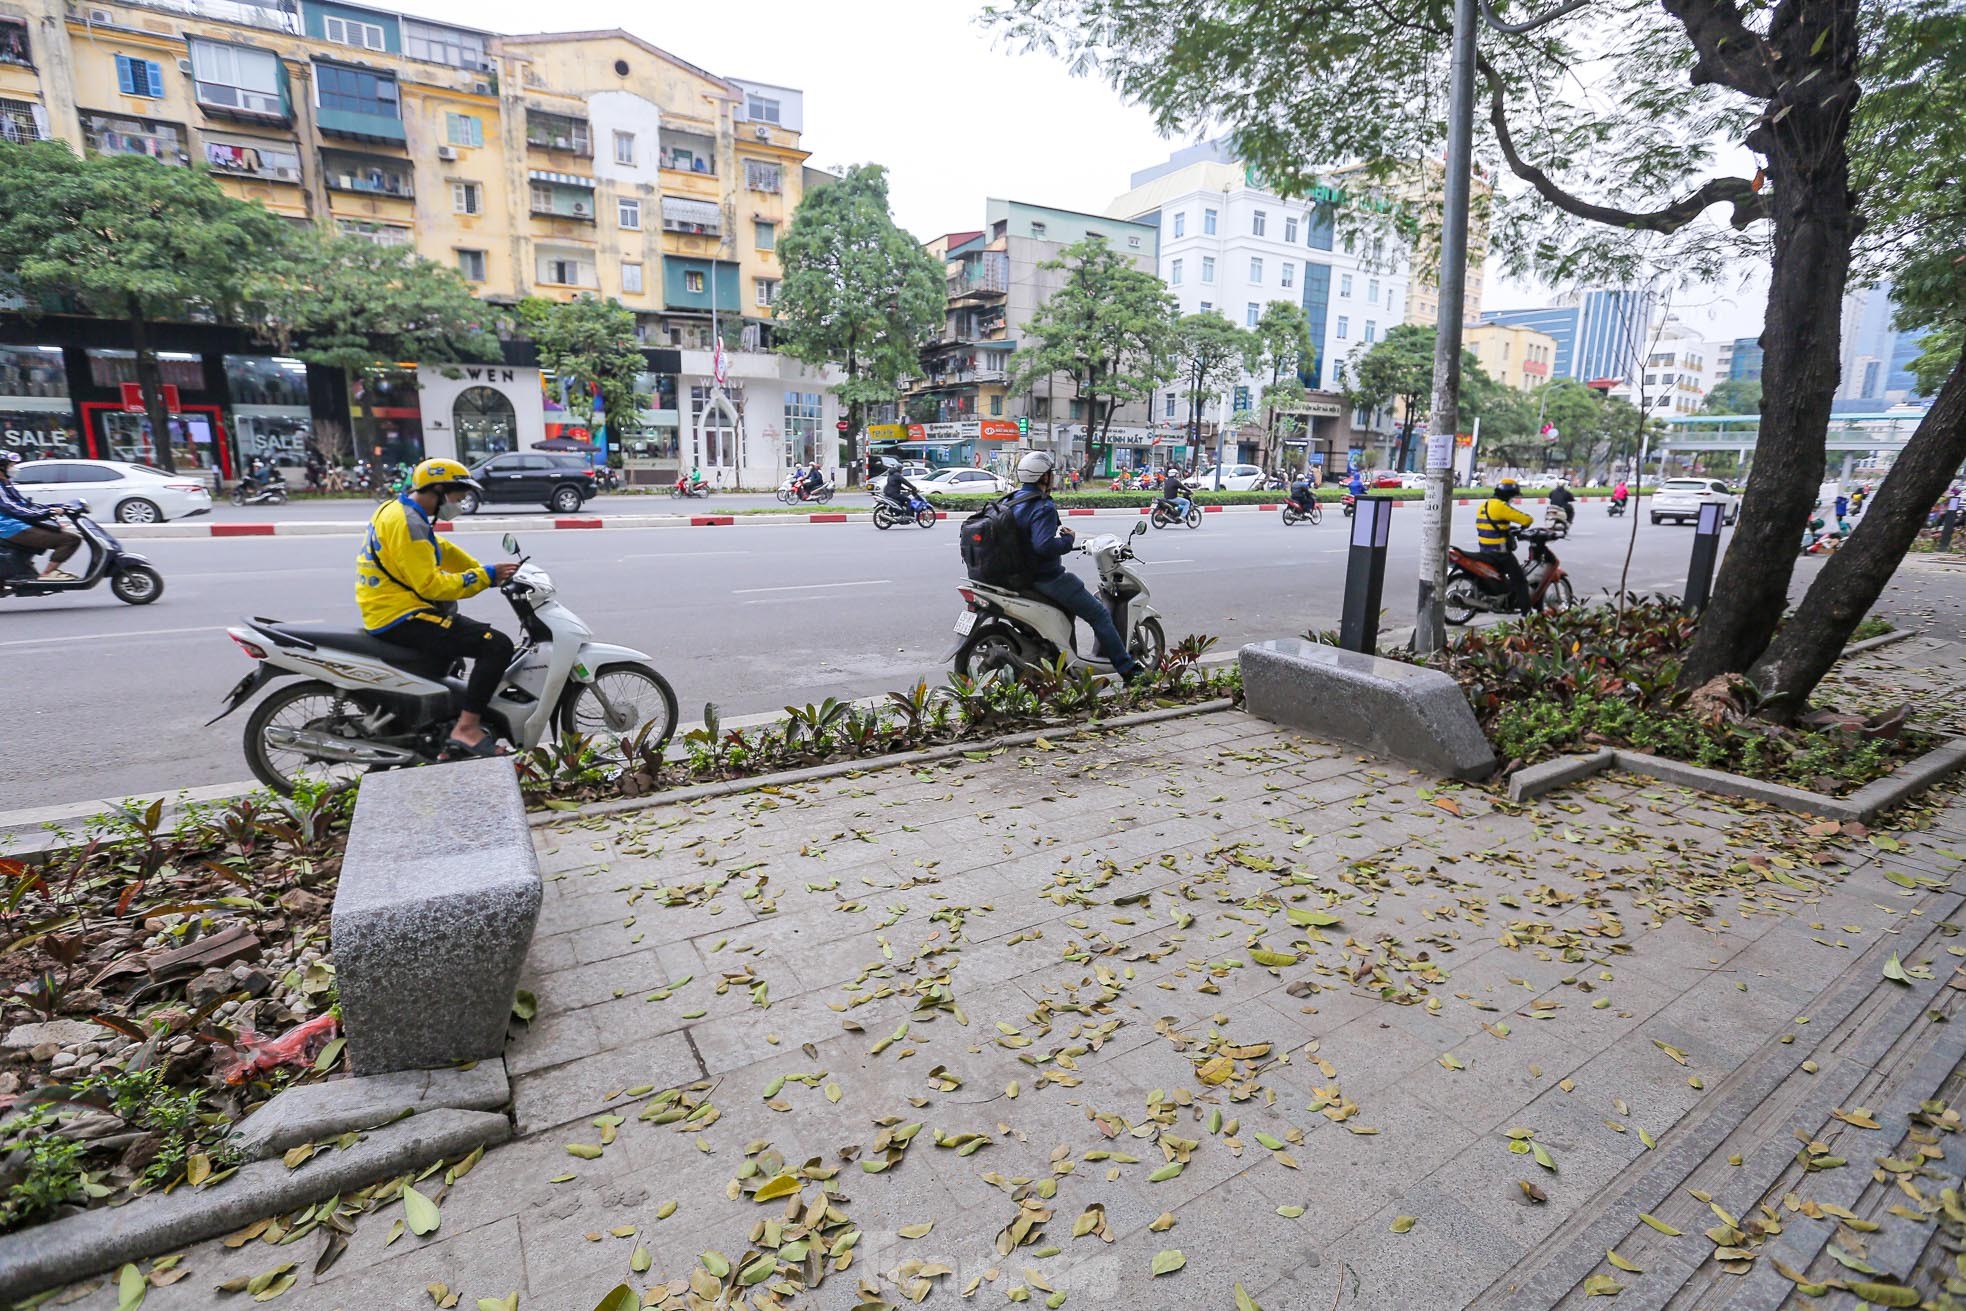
[[1429, 626]]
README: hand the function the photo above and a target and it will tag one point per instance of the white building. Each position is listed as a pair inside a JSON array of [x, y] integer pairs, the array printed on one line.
[[1681, 367], [1230, 245]]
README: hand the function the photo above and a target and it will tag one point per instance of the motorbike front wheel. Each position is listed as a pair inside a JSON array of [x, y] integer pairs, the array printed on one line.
[[925, 517], [618, 702], [1194, 516], [883, 518], [238, 495], [137, 584], [1460, 602], [1149, 644], [1559, 595], [316, 707]]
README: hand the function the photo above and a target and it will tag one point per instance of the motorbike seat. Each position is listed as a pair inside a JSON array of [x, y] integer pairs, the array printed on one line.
[[359, 641]]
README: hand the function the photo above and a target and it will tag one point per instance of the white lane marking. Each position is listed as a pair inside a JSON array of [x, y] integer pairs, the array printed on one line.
[[136, 632], [810, 587], [679, 555]]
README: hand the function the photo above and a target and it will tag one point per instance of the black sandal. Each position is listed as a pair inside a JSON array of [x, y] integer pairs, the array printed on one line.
[[486, 746]]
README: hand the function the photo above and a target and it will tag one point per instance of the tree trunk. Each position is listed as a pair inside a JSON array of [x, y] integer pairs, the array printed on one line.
[[151, 379], [1853, 578], [1804, 138]]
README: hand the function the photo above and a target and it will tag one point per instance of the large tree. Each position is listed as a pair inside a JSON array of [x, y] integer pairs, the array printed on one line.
[[1619, 166], [857, 291], [1733, 396], [1210, 355], [350, 304], [590, 345], [1282, 348], [129, 239], [1398, 367], [1109, 327]]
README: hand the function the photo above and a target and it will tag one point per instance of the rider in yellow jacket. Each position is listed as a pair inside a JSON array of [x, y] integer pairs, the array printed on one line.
[[408, 581], [1495, 522]]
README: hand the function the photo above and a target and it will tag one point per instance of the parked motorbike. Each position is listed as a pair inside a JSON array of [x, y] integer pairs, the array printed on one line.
[[888, 513], [1164, 513], [271, 491], [1002, 628], [1312, 514], [364, 703], [132, 578], [1476, 586], [683, 489]]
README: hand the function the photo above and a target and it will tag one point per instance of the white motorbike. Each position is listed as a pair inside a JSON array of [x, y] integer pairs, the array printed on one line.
[[365, 703], [1003, 628]]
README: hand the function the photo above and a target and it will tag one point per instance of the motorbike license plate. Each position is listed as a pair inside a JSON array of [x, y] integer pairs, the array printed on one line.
[[965, 621]]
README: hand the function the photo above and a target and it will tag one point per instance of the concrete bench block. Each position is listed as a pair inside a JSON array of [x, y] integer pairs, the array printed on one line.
[[434, 915], [1387, 707]]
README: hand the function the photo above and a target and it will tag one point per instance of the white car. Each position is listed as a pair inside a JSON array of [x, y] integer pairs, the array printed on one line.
[[1409, 481], [915, 473], [1235, 478], [1680, 499], [127, 493], [966, 482]]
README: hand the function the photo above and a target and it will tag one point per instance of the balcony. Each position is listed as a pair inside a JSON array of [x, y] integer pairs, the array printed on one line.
[[264, 160], [361, 125], [561, 132], [562, 196], [114, 134], [688, 152], [367, 176], [987, 276], [222, 101]]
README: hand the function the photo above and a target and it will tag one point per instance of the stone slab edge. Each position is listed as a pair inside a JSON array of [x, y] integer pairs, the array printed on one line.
[[1652, 1178], [1532, 782], [316, 1112], [872, 764], [1872, 643], [60, 1252]]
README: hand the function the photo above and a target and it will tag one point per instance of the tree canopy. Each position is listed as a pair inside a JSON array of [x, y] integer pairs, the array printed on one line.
[[1733, 396], [591, 345], [1399, 367], [348, 303]]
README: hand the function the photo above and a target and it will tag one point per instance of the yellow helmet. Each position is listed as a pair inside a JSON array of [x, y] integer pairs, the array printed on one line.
[[442, 475]]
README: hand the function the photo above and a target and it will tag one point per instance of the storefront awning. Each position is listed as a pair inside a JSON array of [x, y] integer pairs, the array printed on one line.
[[679, 209], [564, 179]]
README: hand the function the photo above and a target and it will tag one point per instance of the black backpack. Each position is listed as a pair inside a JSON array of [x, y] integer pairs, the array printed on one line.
[[995, 547]]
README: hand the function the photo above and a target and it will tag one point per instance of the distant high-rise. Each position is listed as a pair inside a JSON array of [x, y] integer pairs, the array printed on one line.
[[1745, 363], [1876, 356], [1598, 333]]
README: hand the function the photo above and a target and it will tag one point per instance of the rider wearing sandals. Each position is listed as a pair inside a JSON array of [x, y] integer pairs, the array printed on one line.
[[408, 581]]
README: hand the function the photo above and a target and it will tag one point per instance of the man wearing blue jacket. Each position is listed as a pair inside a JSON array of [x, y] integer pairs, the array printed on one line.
[[1037, 514], [32, 527]]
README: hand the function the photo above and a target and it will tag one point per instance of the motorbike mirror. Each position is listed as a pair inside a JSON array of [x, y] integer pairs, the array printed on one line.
[[511, 544], [1139, 526]]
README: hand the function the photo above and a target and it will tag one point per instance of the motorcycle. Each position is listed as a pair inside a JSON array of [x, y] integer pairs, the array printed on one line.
[[363, 703], [888, 513], [132, 578], [1312, 514], [684, 489], [273, 491], [1476, 586], [1274, 482], [1002, 628], [1164, 514], [1348, 501], [1615, 508]]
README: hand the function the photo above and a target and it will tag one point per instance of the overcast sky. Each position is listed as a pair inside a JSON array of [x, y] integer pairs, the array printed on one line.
[[920, 86]]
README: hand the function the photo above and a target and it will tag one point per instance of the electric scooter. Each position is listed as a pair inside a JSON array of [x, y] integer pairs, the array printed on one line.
[[1004, 628], [132, 578]]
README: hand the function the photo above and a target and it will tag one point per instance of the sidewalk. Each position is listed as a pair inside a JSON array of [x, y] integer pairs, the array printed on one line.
[[1054, 959]]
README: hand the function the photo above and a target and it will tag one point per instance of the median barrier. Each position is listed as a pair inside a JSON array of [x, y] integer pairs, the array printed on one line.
[[433, 915], [1390, 708], [711, 520], [578, 523]]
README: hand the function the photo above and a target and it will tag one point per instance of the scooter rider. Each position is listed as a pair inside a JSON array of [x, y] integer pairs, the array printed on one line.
[[1563, 499], [1174, 493], [30, 526], [1033, 509], [897, 488], [408, 581], [1495, 527], [1621, 493], [1301, 491], [815, 479]]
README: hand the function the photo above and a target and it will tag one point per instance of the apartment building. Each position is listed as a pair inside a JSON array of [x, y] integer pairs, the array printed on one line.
[[1514, 355], [1680, 368], [551, 165]]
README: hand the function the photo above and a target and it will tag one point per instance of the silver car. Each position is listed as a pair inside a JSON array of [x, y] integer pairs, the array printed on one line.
[[114, 489], [1680, 499]]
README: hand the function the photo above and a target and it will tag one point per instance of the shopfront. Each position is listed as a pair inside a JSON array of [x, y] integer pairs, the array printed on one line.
[[37, 417], [271, 417], [386, 417], [471, 412], [120, 429], [977, 443]]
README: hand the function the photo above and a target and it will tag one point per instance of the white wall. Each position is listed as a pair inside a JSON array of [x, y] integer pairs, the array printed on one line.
[[625, 111], [791, 103], [765, 379], [437, 393]]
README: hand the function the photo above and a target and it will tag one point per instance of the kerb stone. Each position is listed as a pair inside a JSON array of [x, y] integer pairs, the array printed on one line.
[[434, 914], [1387, 707], [315, 1112]]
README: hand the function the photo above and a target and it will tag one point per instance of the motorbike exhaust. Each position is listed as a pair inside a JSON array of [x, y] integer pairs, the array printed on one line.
[[328, 746]]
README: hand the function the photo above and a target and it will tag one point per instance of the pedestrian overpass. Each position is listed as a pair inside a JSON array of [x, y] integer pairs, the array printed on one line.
[[1852, 434]]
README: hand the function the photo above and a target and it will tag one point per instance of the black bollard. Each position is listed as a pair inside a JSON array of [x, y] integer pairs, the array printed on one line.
[[1365, 574], [1706, 552]]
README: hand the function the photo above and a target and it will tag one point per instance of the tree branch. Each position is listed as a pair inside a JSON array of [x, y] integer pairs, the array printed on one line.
[[1738, 192], [1729, 54]]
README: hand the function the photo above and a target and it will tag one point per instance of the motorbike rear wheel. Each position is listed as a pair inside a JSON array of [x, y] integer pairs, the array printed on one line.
[[137, 584], [1458, 602], [312, 705], [1290, 516], [1160, 517], [1559, 596], [993, 647], [883, 518]]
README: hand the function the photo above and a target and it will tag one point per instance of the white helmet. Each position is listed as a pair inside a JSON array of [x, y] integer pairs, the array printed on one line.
[[1033, 467]]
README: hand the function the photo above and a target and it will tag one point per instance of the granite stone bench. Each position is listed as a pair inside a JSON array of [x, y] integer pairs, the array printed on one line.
[[434, 914], [1386, 707]]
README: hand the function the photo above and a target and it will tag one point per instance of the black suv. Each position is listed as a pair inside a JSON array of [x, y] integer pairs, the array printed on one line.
[[561, 483]]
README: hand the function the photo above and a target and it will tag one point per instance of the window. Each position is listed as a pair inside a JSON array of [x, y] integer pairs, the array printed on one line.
[[761, 109], [1207, 306], [380, 234], [542, 198], [567, 268], [1167, 406], [1181, 224], [1287, 276], [1037, 228], [234, 77], [1290, 229], [1256, 270], [1371, 330], [13, 43], [1208, 222], [1257, 222], [767, 292], [765, 235], [1208, 268], [996, 407], [624, 148], [444, 45], [693, 282], [139, 77], [355, 91], [631, 279], [760, 176], [21, 121], [1345, 284], [1253, 313], [804, 410], [1344, 327], [464, 130], [352, 32], [628, 213], [1372, 291], [1133, 243], [1174, 274], [471, 263], [467, 197]]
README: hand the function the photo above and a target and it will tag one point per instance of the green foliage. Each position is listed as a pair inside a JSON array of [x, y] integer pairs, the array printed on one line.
[[1109, 327], [857, 291], [1211, 351], [350, 304], [41, 1170], [1399, 367], [1733, 396], [173, 1117], [590, 343]]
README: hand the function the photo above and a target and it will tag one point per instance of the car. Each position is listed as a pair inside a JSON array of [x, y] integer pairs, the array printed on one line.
[[1680, 499], [914, 472], [560, 482], [115, 489], [1386, 481], [1411, 481], [967, 482], [1235, 478]]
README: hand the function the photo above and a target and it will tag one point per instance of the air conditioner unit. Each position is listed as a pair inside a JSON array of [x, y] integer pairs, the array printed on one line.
[[579, 208], [184, 65], [446, 152], [763, 133], [481, 88], [101, 16]]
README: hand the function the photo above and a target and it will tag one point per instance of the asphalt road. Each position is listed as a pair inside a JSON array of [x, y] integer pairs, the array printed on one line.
[[103, 699], [360, 508]]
